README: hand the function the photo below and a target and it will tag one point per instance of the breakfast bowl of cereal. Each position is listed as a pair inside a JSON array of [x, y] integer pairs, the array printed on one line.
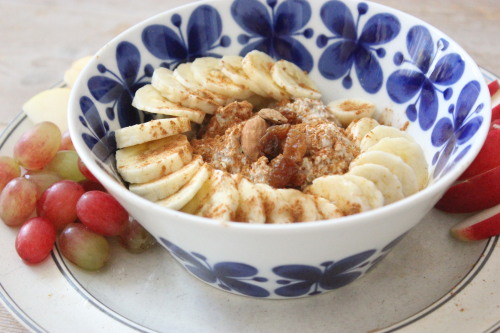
[[279, 149]]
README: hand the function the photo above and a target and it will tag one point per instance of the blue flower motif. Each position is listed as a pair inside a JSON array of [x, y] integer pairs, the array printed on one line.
[[424, 78], [274, 31], [227, 275], [204, 30], [300, 279], [120, 89], [451, 133], [99, 139], [353, 49]]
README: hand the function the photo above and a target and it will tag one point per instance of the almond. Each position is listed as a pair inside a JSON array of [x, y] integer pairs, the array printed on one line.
[[273, 116], [251, 133]]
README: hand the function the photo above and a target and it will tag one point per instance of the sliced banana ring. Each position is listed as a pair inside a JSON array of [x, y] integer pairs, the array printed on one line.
[[148, 99], [294, 80], [257, 66], [207, 71], [151, 160], [385, 181], [167, 185], [410, 152], [150, 131], [358, 128], [348, 110], [345, 193], [187, 192], [250, 206], [380, 132], [406, 175], [164, 81]]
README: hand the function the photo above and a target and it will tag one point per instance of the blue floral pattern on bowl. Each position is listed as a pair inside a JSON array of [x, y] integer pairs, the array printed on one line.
[[230, 276], [451, 134], [352, 49], [427, 73], [275, 31], [203, 36], [296, 280]]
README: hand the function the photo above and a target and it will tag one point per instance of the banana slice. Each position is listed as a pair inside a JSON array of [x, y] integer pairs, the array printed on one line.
[[150, 131], [277, 211], [257, 66], [232, 67], [406, 175], [294, 80], [250, 206], [410, 152], [188, 191], [348, 110], [380, 132], [184, 74], [148, 99], [207, 71], [358, 128], [385, 181], [223, 198], [371, 193], [346, 194], [164, 81], [151, 160], [193, 206], [301, 206], [326, 209], [165, 186]]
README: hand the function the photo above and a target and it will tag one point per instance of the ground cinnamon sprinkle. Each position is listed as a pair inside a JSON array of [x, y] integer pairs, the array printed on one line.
[[291, 155]]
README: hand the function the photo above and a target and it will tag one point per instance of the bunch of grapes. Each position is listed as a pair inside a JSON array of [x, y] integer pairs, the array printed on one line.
[[48, 192]]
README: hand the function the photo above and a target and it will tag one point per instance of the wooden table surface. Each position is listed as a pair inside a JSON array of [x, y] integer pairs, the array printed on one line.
[[40, 39]]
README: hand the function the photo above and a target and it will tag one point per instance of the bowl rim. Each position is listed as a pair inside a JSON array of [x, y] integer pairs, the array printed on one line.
[[433, 189]]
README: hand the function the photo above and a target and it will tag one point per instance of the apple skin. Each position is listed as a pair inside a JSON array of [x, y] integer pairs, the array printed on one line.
[[493, 87], [495, 113], [479, 226], [476, 193], [489, 155]]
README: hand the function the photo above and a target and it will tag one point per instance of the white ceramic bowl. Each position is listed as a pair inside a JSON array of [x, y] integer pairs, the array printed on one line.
[[352, 49]]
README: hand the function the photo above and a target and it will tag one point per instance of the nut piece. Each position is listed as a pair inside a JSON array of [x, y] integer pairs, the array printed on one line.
[[251, 133], [273, 116]]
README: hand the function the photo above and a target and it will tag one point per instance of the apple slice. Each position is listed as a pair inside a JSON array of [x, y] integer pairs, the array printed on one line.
[[493, 87], [495, 113], [482, 225], [489, 155], [71, 74], [476, 193], [49, 105]]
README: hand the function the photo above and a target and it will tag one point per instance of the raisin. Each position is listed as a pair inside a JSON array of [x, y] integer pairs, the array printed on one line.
[[295, 145], [272, 142], [291, 117], [283, 172]]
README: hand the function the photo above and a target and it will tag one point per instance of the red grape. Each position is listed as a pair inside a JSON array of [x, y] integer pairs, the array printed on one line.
[[90, 185], [86, 172], [18, 201], [83, 247], [38, 145], [9, 169], [35, 239], [101, 213], [66, 142], [135, 238], [58, 203]]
